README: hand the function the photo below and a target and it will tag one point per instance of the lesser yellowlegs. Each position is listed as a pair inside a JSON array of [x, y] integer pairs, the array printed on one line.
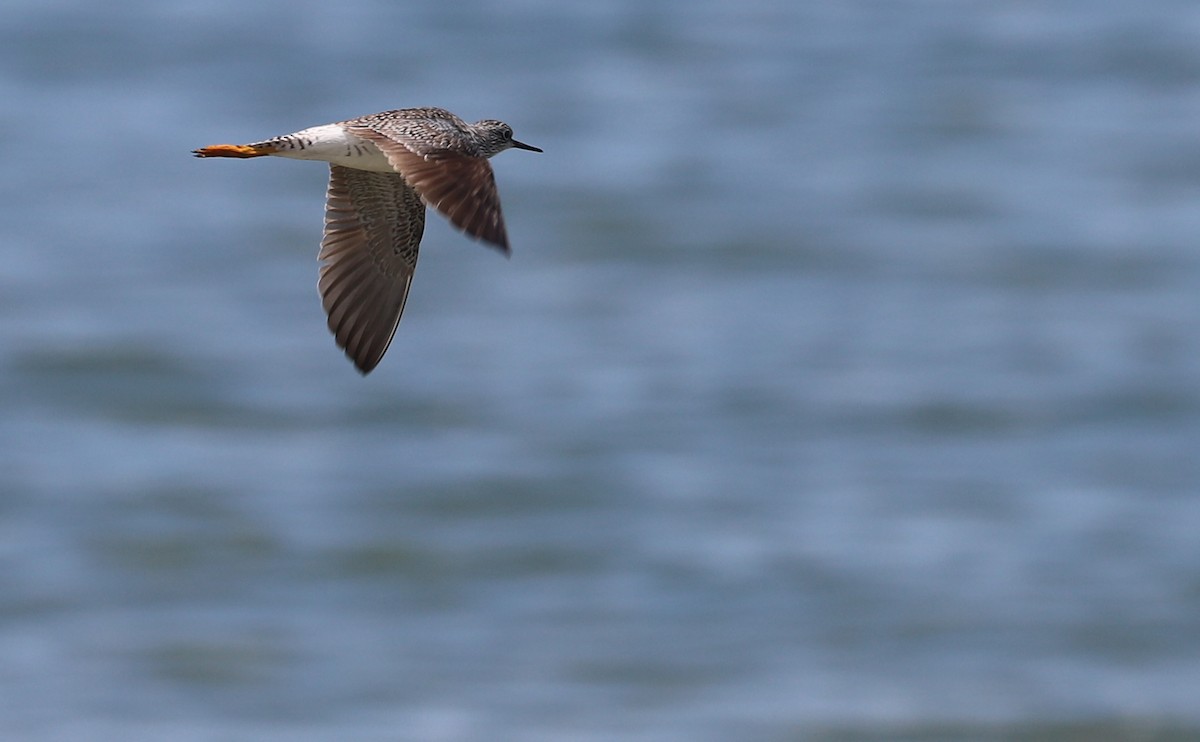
[[384, 169]]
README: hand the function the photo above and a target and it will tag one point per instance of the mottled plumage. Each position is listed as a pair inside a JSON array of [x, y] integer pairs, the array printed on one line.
[[384, 169]]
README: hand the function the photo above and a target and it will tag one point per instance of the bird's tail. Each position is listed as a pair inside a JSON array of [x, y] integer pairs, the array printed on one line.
[[234, 150]]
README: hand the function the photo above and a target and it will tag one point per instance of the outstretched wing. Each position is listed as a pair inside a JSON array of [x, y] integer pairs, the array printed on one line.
[[373, 227], [461, 187]]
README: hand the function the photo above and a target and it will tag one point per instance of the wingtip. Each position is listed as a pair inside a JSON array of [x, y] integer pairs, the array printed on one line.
[[495, 241], [364, 365], [499, 244]]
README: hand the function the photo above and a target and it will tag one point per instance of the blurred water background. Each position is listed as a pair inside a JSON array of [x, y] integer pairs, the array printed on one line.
[[842, 384]]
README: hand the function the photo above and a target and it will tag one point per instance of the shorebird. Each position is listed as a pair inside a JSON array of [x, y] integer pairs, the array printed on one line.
[[384, 169]]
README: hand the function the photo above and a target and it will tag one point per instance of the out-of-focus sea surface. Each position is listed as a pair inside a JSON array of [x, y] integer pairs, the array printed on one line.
[[844, 383]]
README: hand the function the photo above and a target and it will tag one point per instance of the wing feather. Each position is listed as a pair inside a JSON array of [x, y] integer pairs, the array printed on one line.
[[461, 187], [373, 227]]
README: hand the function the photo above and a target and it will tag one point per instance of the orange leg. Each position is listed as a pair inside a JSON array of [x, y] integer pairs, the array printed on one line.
[[233, 150]]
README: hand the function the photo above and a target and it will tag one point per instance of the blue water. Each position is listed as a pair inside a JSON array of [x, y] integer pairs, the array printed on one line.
[[844, 383]]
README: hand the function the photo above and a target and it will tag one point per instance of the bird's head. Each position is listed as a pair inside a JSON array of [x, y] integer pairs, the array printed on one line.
[[497, 136]]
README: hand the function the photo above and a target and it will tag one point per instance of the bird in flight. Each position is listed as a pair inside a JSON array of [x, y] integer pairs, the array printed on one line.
[[384, 169]]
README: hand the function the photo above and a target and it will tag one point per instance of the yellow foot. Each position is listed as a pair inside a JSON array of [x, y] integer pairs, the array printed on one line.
[[233, 150]]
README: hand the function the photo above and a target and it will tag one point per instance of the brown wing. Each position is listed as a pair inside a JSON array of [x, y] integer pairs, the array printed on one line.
[[373, 227], [460, 186]]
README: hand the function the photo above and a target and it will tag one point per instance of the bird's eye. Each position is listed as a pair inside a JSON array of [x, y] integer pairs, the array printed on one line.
[[508, 133]]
